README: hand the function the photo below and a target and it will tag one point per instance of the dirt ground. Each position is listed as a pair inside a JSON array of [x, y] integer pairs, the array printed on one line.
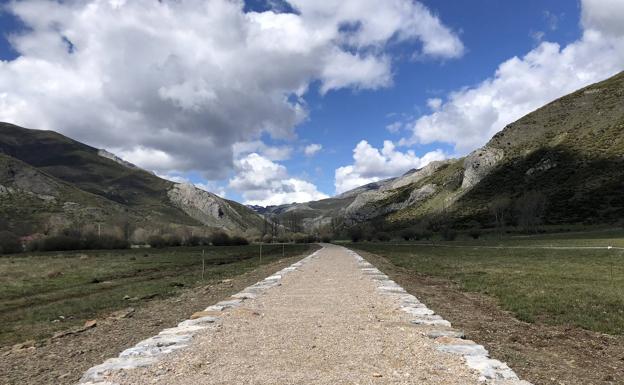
[[63, 360], [326, 324], [542, 354]]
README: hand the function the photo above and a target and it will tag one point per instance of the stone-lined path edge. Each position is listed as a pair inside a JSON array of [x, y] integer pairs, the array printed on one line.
[[150, 351], [448, 340]]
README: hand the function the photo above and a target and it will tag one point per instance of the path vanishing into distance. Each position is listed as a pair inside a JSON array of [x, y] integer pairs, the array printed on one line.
[[331, 318]]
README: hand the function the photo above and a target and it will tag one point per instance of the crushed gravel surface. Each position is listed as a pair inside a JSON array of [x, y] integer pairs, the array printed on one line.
[[325, 324]]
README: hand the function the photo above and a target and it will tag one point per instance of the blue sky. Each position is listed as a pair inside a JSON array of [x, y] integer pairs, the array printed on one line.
[[492, 32], [479, 89]]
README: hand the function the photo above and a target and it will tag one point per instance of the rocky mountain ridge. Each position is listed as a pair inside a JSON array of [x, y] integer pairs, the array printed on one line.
[[53, 173]]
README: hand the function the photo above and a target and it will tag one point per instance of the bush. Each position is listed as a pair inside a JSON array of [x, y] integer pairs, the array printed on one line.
[[238, 240], [223, 239], [383, 237], [425, 234], [408, 234], [73, 240], [326, 239], [220, 239], [173, 240], [58, 243], [157, 241], [108, 242], [194, 240], [9, 243], [474, 233], [356, 234], [283, 239], [304, 238], [267, 238], [449, 234]]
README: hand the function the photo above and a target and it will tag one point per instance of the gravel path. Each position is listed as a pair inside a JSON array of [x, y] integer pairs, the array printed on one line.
[[326, 323]]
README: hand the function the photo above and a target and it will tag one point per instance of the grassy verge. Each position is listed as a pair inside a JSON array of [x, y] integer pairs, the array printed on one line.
[[582, 287], [45, 292]]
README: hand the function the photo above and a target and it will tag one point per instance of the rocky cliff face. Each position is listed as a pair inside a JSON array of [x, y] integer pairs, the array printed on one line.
[[116, 159], [206, 207], [479, 164], [18, 179]]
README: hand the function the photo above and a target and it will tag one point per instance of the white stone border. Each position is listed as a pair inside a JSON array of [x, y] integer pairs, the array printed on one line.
[[447, 339], [153, 349]]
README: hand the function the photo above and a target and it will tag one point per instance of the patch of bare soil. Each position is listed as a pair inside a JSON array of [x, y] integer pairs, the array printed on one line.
[[542, 354], [64, 359]]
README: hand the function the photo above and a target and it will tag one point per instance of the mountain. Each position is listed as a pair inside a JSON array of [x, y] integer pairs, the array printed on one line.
[[566, 160], [50, 178], [569, 154], [348, 208]]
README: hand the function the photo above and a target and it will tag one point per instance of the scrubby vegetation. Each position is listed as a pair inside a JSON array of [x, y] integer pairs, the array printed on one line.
[[9, 243], [223, 239]]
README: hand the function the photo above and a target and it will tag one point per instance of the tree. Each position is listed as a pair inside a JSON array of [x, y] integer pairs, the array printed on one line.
[[383, 236], [9, 243], [294, 222], [499, 208], [529, 208], [408, 234], [356, 233]]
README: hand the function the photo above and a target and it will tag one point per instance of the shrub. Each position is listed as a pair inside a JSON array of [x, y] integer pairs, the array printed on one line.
[[173, 240], [304, 238], [326, 239], [92, 241], [193, 240], [59, 243], [9, 243], [267, 238], [383, 237], [220, 239], [408, 234], [356, 234], [449, 234], [425, 234], [157, 241], [283, 239], [474, 233], [238, 240]]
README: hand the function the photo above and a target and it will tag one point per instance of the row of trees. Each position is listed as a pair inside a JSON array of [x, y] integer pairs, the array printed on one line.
[[526, 212]]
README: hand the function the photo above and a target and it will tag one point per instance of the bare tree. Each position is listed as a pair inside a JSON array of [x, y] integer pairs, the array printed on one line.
[[530, 207], [499, 208], [294, 222]]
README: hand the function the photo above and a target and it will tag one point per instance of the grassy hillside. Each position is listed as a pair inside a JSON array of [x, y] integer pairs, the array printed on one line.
[[80, 165], [92, 186], [570, 153], [33, 201]]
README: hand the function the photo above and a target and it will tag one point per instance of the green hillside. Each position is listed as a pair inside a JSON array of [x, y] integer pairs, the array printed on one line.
[[53, 181], [566, 159]]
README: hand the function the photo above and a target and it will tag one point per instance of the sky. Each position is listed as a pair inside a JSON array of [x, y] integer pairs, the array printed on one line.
[[278, 101]]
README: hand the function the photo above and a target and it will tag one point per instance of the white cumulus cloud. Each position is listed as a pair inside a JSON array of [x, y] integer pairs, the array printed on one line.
[[264, 183], [312, 149], [177, 83], [372, 164], [470, 116]]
